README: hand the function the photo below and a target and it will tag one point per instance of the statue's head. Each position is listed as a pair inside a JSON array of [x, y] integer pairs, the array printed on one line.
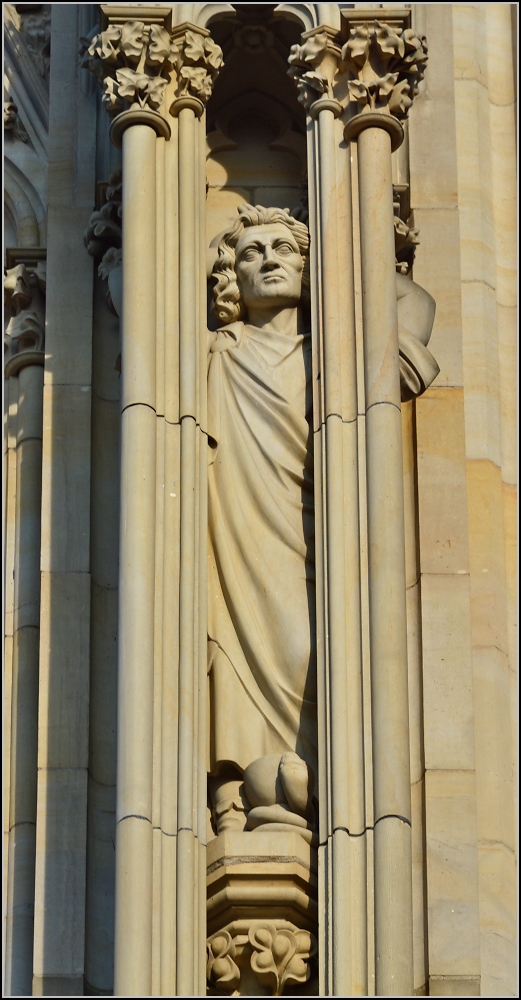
[[263, 260]]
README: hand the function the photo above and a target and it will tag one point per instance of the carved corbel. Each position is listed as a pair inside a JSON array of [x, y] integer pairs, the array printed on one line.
[[197, 65], [131, 60], [271, 954], [385, 62], [24, 296]]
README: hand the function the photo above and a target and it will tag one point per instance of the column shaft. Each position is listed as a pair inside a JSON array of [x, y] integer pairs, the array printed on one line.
[[387, 607], [133, 936], [192, 509], [24, 698], [338, 573]]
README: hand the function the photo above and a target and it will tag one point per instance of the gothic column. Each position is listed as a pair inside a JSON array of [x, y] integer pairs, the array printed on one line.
[[166, 74], [343, 932], [384, 61], [199, 60], [24, 288], [130, 59]]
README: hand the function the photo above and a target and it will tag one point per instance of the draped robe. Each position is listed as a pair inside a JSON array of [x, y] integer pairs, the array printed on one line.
[[261, 576]]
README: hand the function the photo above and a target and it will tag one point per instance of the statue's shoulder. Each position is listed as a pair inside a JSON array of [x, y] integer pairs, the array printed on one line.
[[227, 337]]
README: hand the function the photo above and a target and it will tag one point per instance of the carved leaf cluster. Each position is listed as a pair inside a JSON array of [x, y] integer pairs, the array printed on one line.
[[304, 61], [199, 60], [131, 62], [104, 229], [280, 956], [221, 970], [386, 66]]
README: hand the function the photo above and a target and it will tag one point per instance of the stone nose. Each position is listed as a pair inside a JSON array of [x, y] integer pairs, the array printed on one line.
[[269, 258]]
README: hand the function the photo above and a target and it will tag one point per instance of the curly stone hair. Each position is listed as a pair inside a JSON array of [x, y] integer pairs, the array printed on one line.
[[227, 303]]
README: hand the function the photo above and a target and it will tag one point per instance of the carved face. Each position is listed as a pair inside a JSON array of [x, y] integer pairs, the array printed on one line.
[[269, 266], [10, 114]]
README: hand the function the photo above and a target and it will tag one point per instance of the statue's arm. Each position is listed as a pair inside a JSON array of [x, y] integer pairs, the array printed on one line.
[[416, 310]]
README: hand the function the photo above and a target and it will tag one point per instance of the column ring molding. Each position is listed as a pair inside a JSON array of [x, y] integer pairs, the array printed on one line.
[[21, 360], [325, 104], [374, 119], [138, 116], [187, 101]]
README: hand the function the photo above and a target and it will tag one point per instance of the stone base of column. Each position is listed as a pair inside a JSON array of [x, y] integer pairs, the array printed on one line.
[[262, 914]]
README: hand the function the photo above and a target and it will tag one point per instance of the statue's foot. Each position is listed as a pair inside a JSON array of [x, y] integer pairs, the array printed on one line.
[[298, 783], [277, 813]]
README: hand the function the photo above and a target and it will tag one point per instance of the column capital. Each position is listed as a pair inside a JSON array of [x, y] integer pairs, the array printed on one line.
[[313, 65], [24, 293], [197, 66], [384, 61], [132, 58]]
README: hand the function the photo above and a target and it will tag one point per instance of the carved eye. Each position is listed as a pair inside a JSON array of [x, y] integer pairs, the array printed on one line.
[[250, 253], [285, 248]]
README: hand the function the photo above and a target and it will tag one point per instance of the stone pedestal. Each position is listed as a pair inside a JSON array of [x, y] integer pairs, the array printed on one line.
[[262, 913]]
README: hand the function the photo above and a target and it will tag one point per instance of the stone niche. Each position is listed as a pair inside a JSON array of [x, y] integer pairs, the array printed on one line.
[[261, 884], [256, 129]]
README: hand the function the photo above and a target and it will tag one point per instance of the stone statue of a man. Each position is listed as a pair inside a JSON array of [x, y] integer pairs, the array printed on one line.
[[261, 568], [261, 614]]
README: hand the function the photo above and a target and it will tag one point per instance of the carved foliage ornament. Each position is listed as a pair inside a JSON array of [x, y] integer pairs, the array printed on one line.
[[304, 61], [221, 969], [280, 955], [385, 65], [198, 62], [131, 62]]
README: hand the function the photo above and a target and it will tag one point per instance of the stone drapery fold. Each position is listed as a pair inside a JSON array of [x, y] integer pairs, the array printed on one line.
[[261, 543]]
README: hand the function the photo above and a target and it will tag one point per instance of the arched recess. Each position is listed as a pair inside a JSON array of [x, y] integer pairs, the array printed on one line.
[[256, 129], [24, 207]]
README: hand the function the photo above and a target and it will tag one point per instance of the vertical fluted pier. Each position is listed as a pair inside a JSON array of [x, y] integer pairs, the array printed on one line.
[[342, 852], [384, 61]]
